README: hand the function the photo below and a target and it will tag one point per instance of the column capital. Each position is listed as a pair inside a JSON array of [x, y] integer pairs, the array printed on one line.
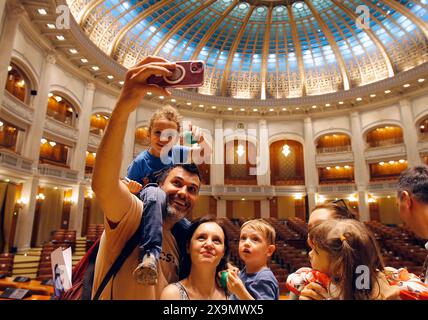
[[15, 9], [90, 86], [218, 123], [262, 122], [405, 103], [51, 58], [307, 120], [354, 114]]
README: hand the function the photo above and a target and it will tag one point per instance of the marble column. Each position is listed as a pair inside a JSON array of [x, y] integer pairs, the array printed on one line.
[[311, 173], [263, 165], [410, 134], [363, 204], [265, 208], [35, 133], [361, 172], [217, 167], [79, 157], [221, 208], [13, 13], [25, 223], [76, 212]]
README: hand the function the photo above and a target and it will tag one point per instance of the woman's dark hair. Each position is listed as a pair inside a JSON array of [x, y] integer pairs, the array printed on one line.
[[186, 262], [339, 210], [349, 244]]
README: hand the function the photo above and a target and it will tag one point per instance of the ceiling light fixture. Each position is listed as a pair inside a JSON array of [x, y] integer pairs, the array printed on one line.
[[286, 150], [240, 150]]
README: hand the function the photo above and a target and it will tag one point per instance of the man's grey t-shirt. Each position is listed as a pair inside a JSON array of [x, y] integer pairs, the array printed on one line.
[[261, 285]]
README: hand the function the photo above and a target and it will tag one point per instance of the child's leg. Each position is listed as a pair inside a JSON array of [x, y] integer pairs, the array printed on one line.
[[151, 233]]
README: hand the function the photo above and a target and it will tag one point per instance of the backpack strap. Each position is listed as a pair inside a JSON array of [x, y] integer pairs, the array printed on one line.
[[126, 252], [88, 277]]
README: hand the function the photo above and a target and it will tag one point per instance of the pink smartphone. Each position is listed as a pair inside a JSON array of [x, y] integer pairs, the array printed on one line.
[[187, 74]]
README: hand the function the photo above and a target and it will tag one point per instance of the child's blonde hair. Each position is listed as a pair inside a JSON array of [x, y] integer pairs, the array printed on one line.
[[349, 244], [264, 227], [166, 113]]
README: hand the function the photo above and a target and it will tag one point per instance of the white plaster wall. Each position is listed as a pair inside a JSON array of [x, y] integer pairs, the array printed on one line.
[[203, 123], [250, 128], [2, 13], [420, 108], [373, 118], [103, 102], [285, 127], [330, 125], [65, 82], [28, 52]]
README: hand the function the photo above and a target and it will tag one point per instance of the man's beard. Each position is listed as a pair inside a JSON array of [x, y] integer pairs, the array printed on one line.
[[176, 214]]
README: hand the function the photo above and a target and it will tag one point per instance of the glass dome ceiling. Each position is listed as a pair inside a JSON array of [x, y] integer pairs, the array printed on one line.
[[265, 49]]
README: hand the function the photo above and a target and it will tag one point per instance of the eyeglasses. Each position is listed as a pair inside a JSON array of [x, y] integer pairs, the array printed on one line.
[[341, 203]]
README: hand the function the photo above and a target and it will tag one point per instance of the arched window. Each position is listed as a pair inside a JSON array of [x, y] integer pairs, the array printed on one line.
[[334, 142], [387, 170], [286, 163], [384, 136], [240, 163], [99, 123], [90, 162], [336, 174], [9, 136], [52, 152], [17, 83], [61, 109], [423, 129]]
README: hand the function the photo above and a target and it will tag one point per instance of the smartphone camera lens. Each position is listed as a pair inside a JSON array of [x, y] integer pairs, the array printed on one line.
[[199, 64], [194, 69]]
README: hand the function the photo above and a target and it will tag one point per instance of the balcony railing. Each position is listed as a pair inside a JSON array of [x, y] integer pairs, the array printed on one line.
[[17, 108], [423, 136], [14, 161], [63, 173], [385, 142], [334, 149]]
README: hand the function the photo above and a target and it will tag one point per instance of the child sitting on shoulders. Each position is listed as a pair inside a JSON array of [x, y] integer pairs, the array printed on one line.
[[145, 169]]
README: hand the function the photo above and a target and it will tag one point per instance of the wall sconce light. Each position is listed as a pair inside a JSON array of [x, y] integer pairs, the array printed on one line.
[[20, 203], [320, 199], [352, 199], [40, 197], [53, 144], [298, 196]]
